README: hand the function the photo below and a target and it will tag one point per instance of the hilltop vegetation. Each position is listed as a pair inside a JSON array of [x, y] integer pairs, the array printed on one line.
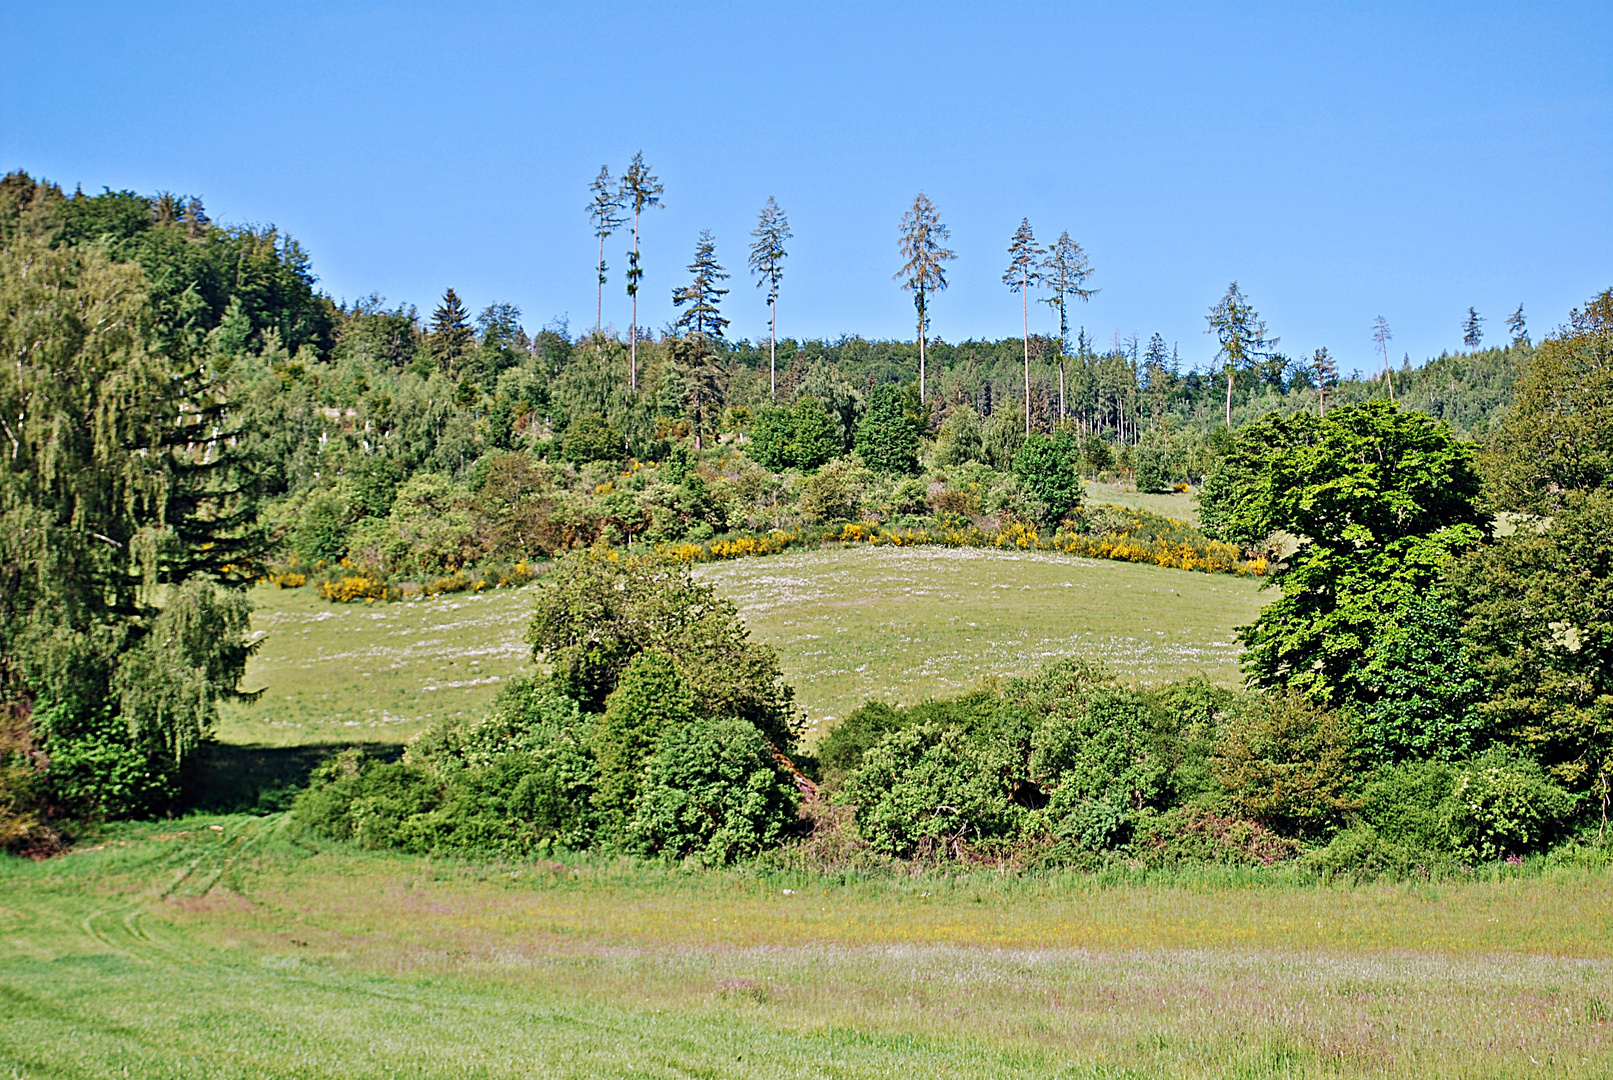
[[191, 416]]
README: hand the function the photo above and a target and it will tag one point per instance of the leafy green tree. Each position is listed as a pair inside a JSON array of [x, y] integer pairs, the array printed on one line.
[[888, 439], [926, 789], [960, 439], [451, 336], [605, 211], [923, 245], [1557, 437], [1288, 763], [640, 190], [1383, 499], [127, 519], [713, 791], [591, 438], [1024, 273], [767, 256], [1242, 336], [1050, 469]]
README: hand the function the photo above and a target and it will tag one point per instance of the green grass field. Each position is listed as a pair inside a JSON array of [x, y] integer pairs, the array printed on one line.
[[1176, 504], [897, 624], [187, 952]]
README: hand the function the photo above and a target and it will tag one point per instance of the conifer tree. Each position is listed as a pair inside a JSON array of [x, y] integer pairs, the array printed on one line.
[[1065, 272], [604, 210], [767, 262], [1024, 272], [451, 335], [641, 191], [1518, 328], [1241, 333], [924, 273], [1381, 335], [1472, 329], [1326, 371], [702, 323]]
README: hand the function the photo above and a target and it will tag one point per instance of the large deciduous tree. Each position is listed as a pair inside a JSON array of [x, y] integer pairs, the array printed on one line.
[[640, 190], [923, 245], [1382, 500], [1241, 333], [1023, 274], [767, 263]]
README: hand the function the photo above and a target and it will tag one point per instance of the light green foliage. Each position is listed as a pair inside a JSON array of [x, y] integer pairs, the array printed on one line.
[[888, 437], [1100, 766], [1288, 764], [712, 791], [924, 789], [1049, 468], [1503, 804], [959, 441], [1151, 468], [1384, 500], [1002, 436], [836, 492]]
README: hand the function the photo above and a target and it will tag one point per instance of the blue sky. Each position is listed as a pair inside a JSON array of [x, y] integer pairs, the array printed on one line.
[[1339, 161]]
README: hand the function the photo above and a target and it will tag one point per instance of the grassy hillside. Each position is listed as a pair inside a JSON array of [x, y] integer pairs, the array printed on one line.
[[897, 624], [191, 951]]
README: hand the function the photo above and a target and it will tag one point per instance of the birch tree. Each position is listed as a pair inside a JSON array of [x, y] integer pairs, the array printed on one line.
[[767, 263], [923, 240]]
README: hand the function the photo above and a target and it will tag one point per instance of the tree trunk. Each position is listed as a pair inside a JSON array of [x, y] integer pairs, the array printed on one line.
[[1025, 314], [599, 291], [772, 350], [632, 352], [921, 348], [1061, 386], [1229, 395]]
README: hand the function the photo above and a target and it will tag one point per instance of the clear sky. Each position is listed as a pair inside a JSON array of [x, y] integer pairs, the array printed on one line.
[[1339, 161]]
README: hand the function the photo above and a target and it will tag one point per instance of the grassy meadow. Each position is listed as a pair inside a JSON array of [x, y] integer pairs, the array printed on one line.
[[233, 947], [897, 624]]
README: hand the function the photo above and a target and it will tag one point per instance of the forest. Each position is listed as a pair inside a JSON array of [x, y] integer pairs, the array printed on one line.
[[188, 416]]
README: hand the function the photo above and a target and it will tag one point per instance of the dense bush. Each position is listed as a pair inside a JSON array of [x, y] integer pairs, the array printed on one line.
[[1049, 468], [713, 791]]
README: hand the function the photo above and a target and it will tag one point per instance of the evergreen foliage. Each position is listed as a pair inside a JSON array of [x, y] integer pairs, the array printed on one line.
[[888, 437]]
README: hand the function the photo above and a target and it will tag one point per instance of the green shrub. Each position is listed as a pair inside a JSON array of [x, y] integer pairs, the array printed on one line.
[[714, 792], [1288, 764], [960, 440], [1503, 804], [591, 438], [841, 752], [1151, 468], [1196, 834], [835, 493], [926, 788], [1049, 468], [1099, 765], [650, 700], [1407, 805]]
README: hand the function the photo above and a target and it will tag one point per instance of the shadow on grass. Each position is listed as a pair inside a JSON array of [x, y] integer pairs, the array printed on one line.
[[228, 778]]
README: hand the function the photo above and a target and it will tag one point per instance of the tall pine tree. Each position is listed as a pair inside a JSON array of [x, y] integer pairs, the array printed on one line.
[[1065, 272], [451, 336], [702, 324], [604, 210], [640, 190], [1241, 334], [1024, 273], [767, 262], [923, 245]]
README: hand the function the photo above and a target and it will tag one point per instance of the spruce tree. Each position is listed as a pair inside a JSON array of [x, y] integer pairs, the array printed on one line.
[[1024, 272], [767, 262], [1472, 329], [923, 240], [1242, 336], [604, 210], [1326, 372], [1065, 272], [1517, 327], [641, 191], [451, 335], [702, 324]]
